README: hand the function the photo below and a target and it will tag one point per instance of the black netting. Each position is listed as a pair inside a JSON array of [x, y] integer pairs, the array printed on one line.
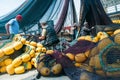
[[103, 43], [116, 38], [105, 28], [110, 57], [113, 55], [63, 60], [70, 70], [80, 47]]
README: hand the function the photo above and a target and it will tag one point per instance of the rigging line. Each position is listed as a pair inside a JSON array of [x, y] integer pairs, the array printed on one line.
[[58, 12], [37, 17], [21, 8], [49, 11], [65, 22], [58, 8], [16, 9], [62, 16], [11, 14], [75, 20], [34, 22], [26, 9], [71, 11], [53, 14], [56, 17], [69, 15]]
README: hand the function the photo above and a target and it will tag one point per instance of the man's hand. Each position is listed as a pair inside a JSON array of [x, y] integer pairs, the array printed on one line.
[[92, 28], [41, 37]]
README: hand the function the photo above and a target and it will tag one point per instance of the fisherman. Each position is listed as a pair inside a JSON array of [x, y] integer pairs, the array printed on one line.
[[12, 26], [86, 30], [48, 35]]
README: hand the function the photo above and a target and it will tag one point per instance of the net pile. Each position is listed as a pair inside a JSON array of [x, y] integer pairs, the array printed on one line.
[[105, 28], [110, 60], [105, 57], [70, 70], [101, 55], [80, 47], [63, 60]]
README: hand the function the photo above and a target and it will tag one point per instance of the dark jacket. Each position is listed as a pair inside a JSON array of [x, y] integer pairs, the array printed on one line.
[[51, 36], [85, 31]]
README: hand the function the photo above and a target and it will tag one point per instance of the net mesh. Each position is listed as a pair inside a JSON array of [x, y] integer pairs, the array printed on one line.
[[63, 60], [105, 28], [80, 47], [107, 56], [110, 58], [71, 71]]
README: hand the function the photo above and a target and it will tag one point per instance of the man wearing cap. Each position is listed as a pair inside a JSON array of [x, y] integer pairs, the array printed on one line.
[[48, 35], [12, 27]]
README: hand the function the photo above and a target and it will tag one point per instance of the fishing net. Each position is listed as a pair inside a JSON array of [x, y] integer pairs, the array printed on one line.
[[105, 28], [102, 62], [80, 47], [93, 51], [63, 60], [103, 43], [100, 46], [50, 61], [71, 71], [104, 58], [110, 59], [5, 43], [117, 38]]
